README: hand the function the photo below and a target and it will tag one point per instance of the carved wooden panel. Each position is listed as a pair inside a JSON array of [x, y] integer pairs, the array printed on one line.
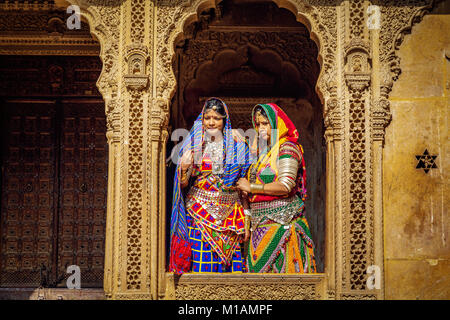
[[54, 171], [28, 192], [54, 179], [49, 75], [83, 175]]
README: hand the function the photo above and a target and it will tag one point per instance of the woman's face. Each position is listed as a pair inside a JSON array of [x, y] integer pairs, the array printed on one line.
[[213, 122], [262, 125]]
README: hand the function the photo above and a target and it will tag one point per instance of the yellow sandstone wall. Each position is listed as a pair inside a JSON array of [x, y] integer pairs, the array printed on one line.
[[416, 222]]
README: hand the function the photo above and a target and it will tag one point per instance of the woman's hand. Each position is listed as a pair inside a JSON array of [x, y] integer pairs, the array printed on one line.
[[243, 185], [243, 194], [186, 161]]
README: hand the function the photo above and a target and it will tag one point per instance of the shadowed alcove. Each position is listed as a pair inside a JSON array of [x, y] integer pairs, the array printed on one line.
[[249, 52]]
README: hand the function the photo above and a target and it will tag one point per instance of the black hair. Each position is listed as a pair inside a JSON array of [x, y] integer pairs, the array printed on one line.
[[218, 104], [261, 111]]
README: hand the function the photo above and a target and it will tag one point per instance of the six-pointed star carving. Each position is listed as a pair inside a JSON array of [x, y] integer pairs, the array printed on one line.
[[426, 161]]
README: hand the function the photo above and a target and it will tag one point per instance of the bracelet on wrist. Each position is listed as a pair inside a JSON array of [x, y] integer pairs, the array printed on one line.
[[256, 188], [186, 173], [184, 178]]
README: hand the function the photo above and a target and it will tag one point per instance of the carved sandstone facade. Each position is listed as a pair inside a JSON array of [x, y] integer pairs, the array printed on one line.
[[358, 66]]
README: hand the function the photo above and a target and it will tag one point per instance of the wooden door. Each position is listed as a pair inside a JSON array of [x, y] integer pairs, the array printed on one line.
[[83, 185], [28, 191], [54, 182]]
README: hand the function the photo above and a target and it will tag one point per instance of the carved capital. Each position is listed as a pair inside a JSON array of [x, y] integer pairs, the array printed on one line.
[[333, 115], [357, 82], [380, 117], [386, 82], [136, 52], [357, 64], [159, 118], [330, 80], [113, 120], [357, 44]]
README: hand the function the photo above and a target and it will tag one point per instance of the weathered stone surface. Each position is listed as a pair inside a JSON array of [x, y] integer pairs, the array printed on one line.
[[416, 222], [417, 279], [422, 59]]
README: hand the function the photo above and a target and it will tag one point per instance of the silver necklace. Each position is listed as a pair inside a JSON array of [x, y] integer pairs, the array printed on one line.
[[215, 151]]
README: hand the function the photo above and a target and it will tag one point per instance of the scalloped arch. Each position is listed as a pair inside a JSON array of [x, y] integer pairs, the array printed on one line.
[[297, 7], [229, 59], [101, 33]]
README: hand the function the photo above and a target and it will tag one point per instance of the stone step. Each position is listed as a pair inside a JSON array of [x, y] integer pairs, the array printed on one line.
[[51, 294]]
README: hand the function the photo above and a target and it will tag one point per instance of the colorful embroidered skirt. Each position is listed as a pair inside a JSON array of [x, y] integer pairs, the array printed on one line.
[[205, 259], [276, 248]]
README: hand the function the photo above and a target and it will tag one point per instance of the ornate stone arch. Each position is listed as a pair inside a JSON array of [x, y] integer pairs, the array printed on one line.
[[135, 256], [399, 22], [173, 17], [320, 20], [103, 18]]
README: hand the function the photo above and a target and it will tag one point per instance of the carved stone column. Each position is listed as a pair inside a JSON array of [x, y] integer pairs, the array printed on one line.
[[124, 29], [104, 20], [368, 66], [357, 217], [333, 119], [157, 181]]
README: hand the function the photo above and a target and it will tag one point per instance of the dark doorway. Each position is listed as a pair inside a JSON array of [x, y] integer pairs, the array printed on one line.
[[54, 171]]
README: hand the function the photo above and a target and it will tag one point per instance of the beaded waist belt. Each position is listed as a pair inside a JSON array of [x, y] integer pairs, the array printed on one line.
[[219, 204], [281, 210]]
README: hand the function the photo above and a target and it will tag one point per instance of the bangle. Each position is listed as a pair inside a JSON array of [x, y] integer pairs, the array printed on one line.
[[247, 212], [247, 223], [256, 188], [185, 174], [184, 177], [188, 171]]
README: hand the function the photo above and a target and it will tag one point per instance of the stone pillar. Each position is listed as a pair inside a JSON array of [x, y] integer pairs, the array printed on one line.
[[357, 218], [380, 117], [134, 261], [368, 66], [157, 183]]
